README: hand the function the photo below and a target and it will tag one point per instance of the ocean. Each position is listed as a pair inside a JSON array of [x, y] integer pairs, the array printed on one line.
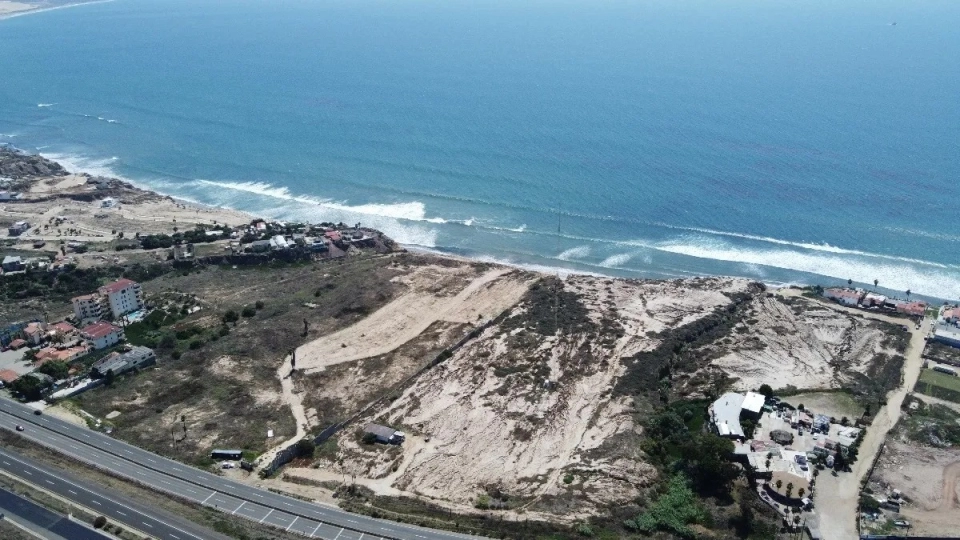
[[784, 141]]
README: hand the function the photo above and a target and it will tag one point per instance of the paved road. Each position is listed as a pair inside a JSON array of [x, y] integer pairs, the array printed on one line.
[[103, 502], [198, 486], [43, 522], [837, 497]]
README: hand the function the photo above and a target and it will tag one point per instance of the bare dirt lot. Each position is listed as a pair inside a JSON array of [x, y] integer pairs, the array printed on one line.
[[529, 413], [795, 342]]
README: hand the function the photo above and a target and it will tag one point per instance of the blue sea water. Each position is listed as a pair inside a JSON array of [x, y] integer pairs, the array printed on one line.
[[785, 141]]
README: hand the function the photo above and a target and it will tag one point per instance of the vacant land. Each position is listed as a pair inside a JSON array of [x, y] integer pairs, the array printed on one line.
[[215, 384], [922, 460], [835, 404]]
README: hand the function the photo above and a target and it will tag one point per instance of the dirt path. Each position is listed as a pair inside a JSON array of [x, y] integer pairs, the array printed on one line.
[[408, 316], [950, 476], [291, 398], [837, 496]]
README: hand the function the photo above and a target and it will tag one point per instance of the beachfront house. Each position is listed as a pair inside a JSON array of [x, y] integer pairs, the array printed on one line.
[[384, 434], [916, 309], [136, 358], [845, 296]]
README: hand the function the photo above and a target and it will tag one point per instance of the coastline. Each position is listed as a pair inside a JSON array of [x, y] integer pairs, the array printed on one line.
[[36, 8]]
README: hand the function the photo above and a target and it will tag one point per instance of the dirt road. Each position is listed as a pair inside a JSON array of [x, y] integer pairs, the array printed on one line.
[[836, 497]]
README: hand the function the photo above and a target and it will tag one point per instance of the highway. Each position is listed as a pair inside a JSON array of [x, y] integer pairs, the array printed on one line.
[[102, 502], [43, 523], [228, 496]]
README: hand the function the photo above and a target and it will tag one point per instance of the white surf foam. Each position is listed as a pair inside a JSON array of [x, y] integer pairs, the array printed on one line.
[[574, 253], [824, 247], [79, 164], [615, 261], [941, 282], [43, 105]]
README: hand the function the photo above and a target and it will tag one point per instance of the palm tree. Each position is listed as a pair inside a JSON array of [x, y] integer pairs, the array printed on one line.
[[789, 489], [876, 282], [800, 492], [779, 484], [908, 293], [849, 282]]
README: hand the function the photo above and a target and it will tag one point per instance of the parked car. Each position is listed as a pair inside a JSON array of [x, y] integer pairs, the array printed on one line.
[[19, 427], [228, 465], [901, 523], [38, 412]]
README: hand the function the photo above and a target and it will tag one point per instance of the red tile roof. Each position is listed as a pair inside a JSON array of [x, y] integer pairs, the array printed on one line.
[[99, 330], [117, 286], [64, 327], [17, 343], [8, 375]]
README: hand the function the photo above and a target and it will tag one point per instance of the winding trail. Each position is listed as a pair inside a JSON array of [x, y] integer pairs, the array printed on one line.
[[837, 496], [289, 397]]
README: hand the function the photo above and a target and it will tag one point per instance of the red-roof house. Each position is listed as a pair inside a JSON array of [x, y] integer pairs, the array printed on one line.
[[8, 376], [102, 334]]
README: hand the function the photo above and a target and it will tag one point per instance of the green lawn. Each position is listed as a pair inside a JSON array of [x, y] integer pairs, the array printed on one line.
[[939, 385], [940, 379]]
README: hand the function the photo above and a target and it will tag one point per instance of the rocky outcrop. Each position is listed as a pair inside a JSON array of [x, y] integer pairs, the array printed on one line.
[[17, 165]]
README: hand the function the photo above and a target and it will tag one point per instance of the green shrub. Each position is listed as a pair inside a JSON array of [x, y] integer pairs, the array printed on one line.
[[248, 311], [230, 316], [673, 512]]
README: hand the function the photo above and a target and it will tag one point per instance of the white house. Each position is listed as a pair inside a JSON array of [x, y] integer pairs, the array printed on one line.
[[849, 297], [102, 334]]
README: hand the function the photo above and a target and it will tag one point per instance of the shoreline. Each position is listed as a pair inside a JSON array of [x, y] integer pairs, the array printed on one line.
[[40, 9], [199, 207]]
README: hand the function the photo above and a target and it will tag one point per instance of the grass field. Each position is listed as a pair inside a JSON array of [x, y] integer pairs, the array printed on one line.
[[939, 385]]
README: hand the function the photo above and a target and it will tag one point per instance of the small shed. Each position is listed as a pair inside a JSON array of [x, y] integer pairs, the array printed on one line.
[[384, 434]]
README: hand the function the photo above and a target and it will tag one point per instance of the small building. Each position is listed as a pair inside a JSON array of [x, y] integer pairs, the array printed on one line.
[[872, 299], [226, 455], [725, 415], [848, 297], [34, 332], [317, 245], [821, 423], [9, 196], [384, 434], [12, 264], [18, 343], [62, 330], [182, 252], [18, 228], [7, 376], [947, 334], [102, 334], [916, 309], [213, 235], [752, 406], [108, 202], [951, 316], [135, 358], [278, 242], [260, 246], [52, 354], [333, 236]]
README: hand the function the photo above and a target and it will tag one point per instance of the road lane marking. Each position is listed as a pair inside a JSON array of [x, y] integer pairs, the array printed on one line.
[[288, 504], [208, 498], [268, 515], [95, 502], [239, 507], [7, 463], [174, 536], [121, 513], [75, 447], [153, 461], [28, 472], [72, 491], [315, 530], [147, 524], [337, 536], [295, 518], [51, 483]]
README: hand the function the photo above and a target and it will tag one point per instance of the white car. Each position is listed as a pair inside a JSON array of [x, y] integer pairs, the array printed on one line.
[[228, 465]]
